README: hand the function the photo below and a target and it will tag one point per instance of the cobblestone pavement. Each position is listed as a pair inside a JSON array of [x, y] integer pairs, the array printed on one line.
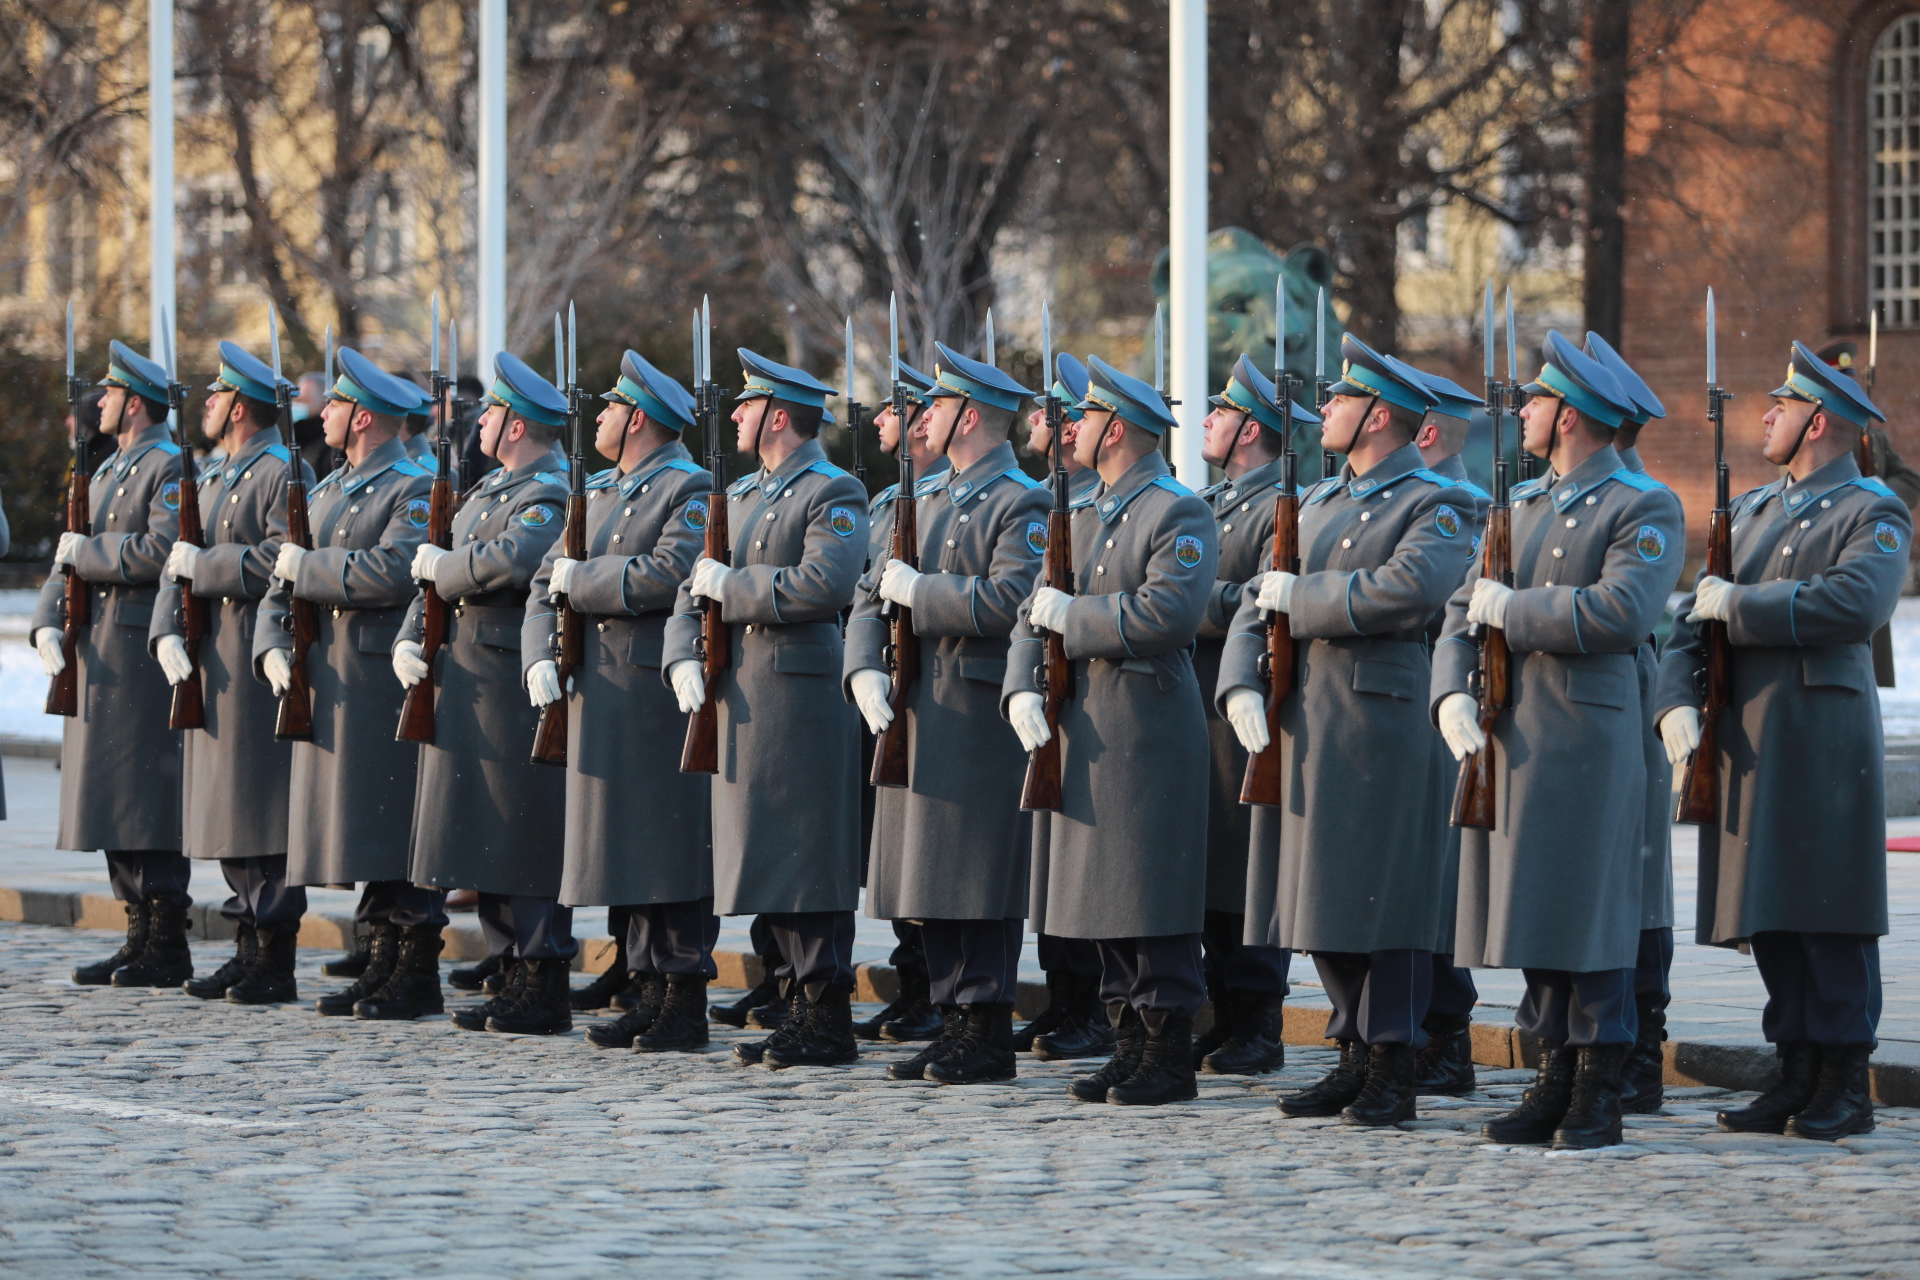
[[147, 1133]]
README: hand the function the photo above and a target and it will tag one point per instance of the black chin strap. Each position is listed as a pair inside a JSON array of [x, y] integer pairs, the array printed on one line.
[[766, 402], [946, 446], [1358, 427], [1805, 427]]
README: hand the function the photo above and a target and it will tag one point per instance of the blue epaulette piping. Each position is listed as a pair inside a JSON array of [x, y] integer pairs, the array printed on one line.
[[1873, 486], [278, 452], [1173, 486], [826, 468], [1637, 480], [602, 479]]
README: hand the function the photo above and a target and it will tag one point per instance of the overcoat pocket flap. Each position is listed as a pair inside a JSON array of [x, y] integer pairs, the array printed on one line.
[[498, 635], [988, 670], [376, 639], [1838, 669], [645, 647], [133, 611], [1389, 678], [803, 659], [1598, 688]]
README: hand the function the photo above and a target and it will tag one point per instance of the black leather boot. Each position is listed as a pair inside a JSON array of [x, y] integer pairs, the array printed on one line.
[[1335, 1091], [1445, 1066], [735, 1014], [383, 952], [1642, 1077], [913, 991], [984, 1051], [164, 960], [1386, 1096], [1225, 1002], [795, 1000], [1252, 1046], [541, 1008], [920, 1019], [1165, 1073], [1087, 1031], [827, 1040], [1769, 1113], [624, 1030], [1842, 1103], [1593, 1110], [599, 993], [1059, 1002], [269, 979], [1129, 1043], [100, 972], [412, 989], [680, 1026], [1542, 1106], [511, 973], [477, 977], [354, 963], [953, 1025], [214, 985], [774, 1014]]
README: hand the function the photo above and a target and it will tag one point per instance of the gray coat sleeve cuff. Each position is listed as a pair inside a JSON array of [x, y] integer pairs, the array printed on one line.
[[1542, 620]]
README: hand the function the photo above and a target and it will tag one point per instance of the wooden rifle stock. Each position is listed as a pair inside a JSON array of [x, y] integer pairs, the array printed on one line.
[[1473, 793], [1265, 779], [417, 714], [903, 647], [568, 643], [1700, 785], [1041, 790], [76, 607], [189, 709], [701, 753], [295, 722]]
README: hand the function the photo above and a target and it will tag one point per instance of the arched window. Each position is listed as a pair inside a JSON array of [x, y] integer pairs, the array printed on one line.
[[1893, 177]]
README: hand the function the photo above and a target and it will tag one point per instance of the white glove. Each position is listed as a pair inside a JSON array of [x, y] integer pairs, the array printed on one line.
[[1680, 730], [1489, 603], [69, 549], [871, 689], [424, 560], [1049, 613], [689, 682], [562, 575], [896, 584], [53, 660], [1276, 591], [1712, 601], [287, 566], [1027, 711], [543, 681], [1460, 725], [277, 666], [180, 560], [172, 652], [1247, 711], [707, 577], [409, 667]]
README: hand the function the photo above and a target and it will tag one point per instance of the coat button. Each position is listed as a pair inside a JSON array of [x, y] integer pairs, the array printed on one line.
[[1806, 524], [1226, 528], [1123, 517], [1825, 503], [246, 475], [122, 489], [1109, 542], [1557, 553], [111, 516], [1786, 551], [353, 510], [1346, 542], [1246, 506], [769, 515], [1592, 498], [1366, 515], [629, 510], [336, 613], [749, 628], [603, 626], [1572, 523], [1547, 583], [758, 545], [616, 537], [963, 519], [1100, 568], [952, 543], [643, 489], [234, 498]]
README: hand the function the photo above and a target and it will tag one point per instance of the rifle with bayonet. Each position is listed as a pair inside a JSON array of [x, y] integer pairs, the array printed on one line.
[[189, 709], [701, 752], [1700, 786], [568, 643], [1265, 779], [76, 606], [902, 654], [1490, 683], [417, 713], [856, 416], [1054, 674], [295, 721]]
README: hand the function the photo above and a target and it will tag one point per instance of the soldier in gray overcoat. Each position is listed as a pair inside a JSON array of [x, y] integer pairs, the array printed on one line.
[[1246, 435], [120, 763], [786, 805], [950, 848], [1127, 848], [637, 827], [1359, 885], [1554, 890], [485, 815], [350, 806], [236, 772], [1795, 869]]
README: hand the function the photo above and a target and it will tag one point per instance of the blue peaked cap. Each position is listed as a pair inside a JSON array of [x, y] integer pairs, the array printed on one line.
[[1069, 385], [1813, 380], [1252, 391], [958, 375], [1572, 375], [1126, 395], [525, 393], [241, 371], [1645, 403], [915, 383], [373, 388], [1365, 372], [766, 379], [1449, 397], [655, 394], [128, 368]]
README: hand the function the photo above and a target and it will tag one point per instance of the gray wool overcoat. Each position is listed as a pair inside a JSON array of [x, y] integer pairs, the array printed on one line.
[[1656, 836]]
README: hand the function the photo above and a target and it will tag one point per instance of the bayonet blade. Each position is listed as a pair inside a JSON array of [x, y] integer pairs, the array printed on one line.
[[1513, 352], [1280, 329], [1713, 352], [849, 360], [453, 354], [990, 351], [706, 338], [1488, 331], [573, 347], [1160, 348], [559, 353], [1873, 342], [273, 339], [166, 345], [1046, 348], [69, 338], [697, 380], [433, 360], [1320, 339], [893, 338]]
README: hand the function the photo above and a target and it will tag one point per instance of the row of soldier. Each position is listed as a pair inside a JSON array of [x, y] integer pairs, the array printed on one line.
[[1152, 888]]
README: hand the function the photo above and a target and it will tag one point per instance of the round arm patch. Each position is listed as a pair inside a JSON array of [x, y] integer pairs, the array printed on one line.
[[1650, 543]]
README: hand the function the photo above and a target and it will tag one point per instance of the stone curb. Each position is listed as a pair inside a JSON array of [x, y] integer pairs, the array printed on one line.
[[1500, 1045]]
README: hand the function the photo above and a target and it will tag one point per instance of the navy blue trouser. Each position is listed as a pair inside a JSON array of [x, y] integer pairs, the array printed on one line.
[[1454, 994], [760, 938], [399, 903], [1234, 965], [672, 937], [1379, 997], [1163, 974], [144, 875], [1580, 1010], [261, 895], [1652, 965], [973, 961], [908, 948], [1078, 956], [1822, 987], [815, 946], [526, 927]]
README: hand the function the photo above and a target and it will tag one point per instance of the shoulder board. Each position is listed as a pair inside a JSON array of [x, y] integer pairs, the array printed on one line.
[[1172, 486], [1020, 477], [1475, 490], [1529, 488], [549, 477], [278, 452], [1637, 480], [168, 447], [1433, 477], [932, 484], [408, 467], [1084, 500], [1874, 487], [1751, 498], [827, 469], [743, 484], [681, 464], [602, 479]]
